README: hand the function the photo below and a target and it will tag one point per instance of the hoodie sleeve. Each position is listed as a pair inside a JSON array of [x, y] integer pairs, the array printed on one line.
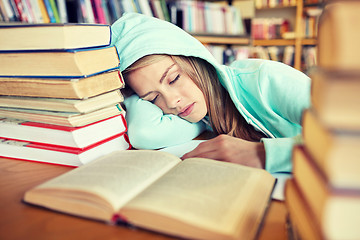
[[288, 93], [279, 152], [150, 128]]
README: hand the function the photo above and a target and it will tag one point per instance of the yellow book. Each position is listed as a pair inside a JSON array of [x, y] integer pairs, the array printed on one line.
[[335, 210], [44, 13], [335, 152], [57, 64]]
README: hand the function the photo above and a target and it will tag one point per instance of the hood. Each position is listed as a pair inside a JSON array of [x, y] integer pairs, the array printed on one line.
[[136, 35]]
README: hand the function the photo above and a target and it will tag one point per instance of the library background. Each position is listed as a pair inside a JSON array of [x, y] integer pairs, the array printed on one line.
[[281, 30]]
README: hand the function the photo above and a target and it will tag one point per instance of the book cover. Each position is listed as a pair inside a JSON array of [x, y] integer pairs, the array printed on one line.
[[335, 98], [53, 36], [70, 88], [61, 118], [63, 105], [338, 41], [22, 150], [159, 192], [75, 137], [336, 210], [301, 218], [336, 152], [59, 64]]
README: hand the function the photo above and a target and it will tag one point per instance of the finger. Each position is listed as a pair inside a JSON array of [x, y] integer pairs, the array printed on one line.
[[199, 150]]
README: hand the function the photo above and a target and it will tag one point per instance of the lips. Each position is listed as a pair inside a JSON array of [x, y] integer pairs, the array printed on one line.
[[187, 110]]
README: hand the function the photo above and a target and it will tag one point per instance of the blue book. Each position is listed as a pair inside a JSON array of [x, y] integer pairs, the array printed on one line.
[[50, 11]]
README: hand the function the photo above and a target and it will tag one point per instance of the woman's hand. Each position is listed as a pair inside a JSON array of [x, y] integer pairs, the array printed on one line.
[[231, 149]]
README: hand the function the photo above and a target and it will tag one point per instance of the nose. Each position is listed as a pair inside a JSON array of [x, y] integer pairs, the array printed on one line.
[[172, 99]]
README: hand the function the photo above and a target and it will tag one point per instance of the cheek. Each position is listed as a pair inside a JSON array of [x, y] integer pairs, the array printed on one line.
[[162, 105]]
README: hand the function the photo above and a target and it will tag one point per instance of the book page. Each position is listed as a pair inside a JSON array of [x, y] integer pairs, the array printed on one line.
[[206, 193], [117, 177], [180, 149]]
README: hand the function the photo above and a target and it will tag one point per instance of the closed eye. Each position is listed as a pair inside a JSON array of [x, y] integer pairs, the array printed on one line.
[[154, 99], [175, 79]]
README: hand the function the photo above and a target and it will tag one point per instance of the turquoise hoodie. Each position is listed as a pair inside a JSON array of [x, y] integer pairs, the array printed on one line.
[[271, 96]]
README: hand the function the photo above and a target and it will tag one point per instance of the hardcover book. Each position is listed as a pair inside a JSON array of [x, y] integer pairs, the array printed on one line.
[[75, 137], [60, 87], [194, 198], [63, 105], [338, 37], [22, 36], [301, 218], [335, 97], [69, 119], [336, 152], [335, 210], [76, 63], [37, 152]]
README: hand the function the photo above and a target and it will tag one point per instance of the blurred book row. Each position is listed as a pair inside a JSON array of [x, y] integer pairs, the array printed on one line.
[[60, 101], [323, 197], [193, 16], [280, 28], [282, 3], [285, 54], [274, 3]]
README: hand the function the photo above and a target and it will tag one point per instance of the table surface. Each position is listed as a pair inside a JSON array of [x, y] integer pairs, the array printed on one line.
[[21, 221]]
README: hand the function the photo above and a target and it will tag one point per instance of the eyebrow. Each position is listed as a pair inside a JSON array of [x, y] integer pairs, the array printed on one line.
[[161, 79]]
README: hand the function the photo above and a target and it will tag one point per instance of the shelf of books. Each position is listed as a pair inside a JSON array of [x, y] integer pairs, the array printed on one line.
[[323, 197], [219, 22], [285, 23]]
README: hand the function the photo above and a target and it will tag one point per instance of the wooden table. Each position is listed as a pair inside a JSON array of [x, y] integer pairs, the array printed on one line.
[[21, 221]]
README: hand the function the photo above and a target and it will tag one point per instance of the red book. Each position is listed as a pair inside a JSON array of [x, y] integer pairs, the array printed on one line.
[[59, 155], [99, 11], [75, 137]]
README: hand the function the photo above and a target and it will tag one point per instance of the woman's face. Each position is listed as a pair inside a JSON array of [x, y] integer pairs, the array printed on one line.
[[165, 85]]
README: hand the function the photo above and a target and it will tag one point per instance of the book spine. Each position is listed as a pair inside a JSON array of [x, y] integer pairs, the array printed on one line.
[[64, 149], [7, 10], [55, 11], [62, 11], [44, 13], [50, 11]]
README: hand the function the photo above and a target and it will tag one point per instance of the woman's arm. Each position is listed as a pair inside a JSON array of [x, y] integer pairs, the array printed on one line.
[[231, 149], [150, 128], [284, 93], [287, 92]]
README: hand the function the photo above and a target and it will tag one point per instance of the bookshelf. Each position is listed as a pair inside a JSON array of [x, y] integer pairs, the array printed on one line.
[[295, 13], [214, 35]]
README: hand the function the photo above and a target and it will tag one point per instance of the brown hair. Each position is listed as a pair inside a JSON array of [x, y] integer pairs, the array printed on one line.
[[224, 116]]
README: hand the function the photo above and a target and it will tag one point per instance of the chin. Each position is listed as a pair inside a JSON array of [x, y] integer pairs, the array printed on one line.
[[195, 119]]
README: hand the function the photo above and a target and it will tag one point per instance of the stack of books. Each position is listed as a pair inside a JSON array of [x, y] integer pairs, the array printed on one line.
[[60, 93], [323, 197]]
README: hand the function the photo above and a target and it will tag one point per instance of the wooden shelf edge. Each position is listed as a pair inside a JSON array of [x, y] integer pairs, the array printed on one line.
[[276, 7], [309, 41], [283, 42], [223, 40], [273, 42]]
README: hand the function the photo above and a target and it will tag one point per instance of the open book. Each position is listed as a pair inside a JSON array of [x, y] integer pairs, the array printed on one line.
[[194, 198]]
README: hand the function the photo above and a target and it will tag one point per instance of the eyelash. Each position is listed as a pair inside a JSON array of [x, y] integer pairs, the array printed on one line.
[[175, 79], [172, 82], [153, 101]]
